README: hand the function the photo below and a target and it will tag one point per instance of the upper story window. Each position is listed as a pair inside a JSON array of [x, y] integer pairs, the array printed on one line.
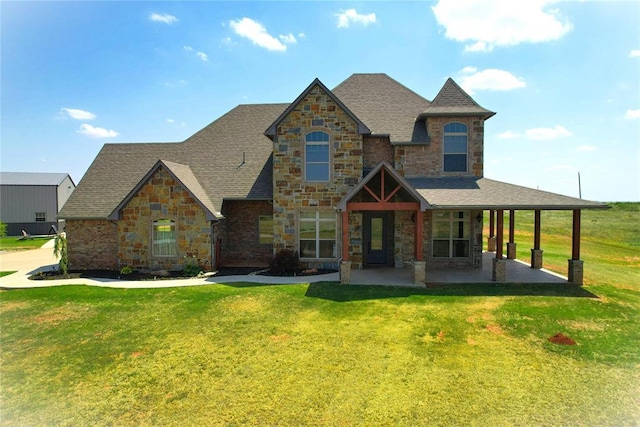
[[41, 216], [455, 147], [316, 160]]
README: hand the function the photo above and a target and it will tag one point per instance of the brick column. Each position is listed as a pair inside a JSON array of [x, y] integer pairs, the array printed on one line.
[[576, 271], [536, 258], [418, 274], [499, 273], [511, 250]]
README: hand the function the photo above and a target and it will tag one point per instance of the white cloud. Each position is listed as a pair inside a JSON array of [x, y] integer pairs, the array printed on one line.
[[288, 39], [555, 132], [486, 24], [472, 80], [632, 114], [349, 16], [78, 114], [95, 132], [301, 35], [170, 121], [585, 148], [188, 48], [508, 135], [634, 53], [165, 18], [257, 33], [199, 54]]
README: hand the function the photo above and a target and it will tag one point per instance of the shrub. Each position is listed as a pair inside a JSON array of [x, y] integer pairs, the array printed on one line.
[[126, 270], [60, 250], [3, 229], [285, 261], [191, 267]]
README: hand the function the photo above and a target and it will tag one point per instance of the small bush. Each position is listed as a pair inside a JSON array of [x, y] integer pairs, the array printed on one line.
[[126, 270], [285, 261], [3, 229], [60, 251], [191, 267]]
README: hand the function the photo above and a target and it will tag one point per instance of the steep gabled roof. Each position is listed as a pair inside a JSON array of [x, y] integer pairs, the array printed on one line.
[[272, 130], [452, 100], [485, 193], [384, 105], [214, 155], [183, 175], [32, 178]]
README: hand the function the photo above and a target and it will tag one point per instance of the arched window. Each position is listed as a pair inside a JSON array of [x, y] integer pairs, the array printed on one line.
[[455, 147], [316, 156], [164, 238]]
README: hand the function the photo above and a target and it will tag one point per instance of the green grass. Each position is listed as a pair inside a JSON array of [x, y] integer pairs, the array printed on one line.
[[325, 354], [12, 243], [6, 273]]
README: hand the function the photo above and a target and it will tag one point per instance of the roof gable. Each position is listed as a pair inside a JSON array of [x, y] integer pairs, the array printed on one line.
[[183, 175], [272, 130], [452, 100]]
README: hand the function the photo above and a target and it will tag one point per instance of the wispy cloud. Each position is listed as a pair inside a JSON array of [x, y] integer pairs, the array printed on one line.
[[165, 18], [96, 132], [203, 56], [508, 135], [257, 33], [74, 113], [472, 80], [555, 132], [351, 16], [632, 114], [486, 24], [634, 53]]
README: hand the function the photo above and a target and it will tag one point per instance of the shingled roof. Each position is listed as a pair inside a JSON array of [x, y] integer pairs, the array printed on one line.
[[452, 100], [32, 178], [484, 193]]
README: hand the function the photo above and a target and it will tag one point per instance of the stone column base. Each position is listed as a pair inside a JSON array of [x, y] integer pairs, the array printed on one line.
[[511, 251], [499, 273], [491, 244], [576, 271], [418, 274], [345, 272], [536, 258]]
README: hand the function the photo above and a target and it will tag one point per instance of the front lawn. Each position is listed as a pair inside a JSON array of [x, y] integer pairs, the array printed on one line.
[[13, 243]]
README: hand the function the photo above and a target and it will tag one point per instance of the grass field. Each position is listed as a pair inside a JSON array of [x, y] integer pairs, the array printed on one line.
[[326, 354], [12, 243]]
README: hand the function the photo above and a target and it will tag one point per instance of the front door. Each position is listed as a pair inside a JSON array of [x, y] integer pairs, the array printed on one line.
[[376, 238]]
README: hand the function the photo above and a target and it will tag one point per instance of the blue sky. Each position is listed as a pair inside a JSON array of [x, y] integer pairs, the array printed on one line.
[[562, 76]]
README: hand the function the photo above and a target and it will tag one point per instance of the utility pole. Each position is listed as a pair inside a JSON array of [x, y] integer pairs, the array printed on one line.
[[579, 186]]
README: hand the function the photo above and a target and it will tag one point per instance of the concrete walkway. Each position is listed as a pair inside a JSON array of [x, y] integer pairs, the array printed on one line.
[[30, 262]]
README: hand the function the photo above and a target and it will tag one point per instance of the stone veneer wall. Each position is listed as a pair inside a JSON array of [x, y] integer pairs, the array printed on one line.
[[239, 234], [92, 244], [162, 197], [356, 245], [291, 194], [404, 236], [426, 159]]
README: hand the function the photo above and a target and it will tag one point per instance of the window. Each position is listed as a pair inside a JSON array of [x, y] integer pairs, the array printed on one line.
[[316, 151], [265, 229], [41, 216], [164, 238], [455, 147], [317, 235], [451, 234]]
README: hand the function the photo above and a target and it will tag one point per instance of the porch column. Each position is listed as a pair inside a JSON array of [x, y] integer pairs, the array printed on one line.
[[499, 263], [576, 265], [536, 252], [345, 236], [418, 275], [511, 245], [491, 241]]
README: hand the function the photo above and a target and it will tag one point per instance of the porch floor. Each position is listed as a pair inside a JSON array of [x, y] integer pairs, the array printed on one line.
[[516, 272]]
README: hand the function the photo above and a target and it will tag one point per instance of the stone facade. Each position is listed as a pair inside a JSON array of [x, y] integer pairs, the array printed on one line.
[[82, 250], [291, 193], [162, 197], [239, 233]]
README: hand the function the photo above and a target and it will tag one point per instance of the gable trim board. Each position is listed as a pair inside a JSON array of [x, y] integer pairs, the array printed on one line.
[[230, 167]]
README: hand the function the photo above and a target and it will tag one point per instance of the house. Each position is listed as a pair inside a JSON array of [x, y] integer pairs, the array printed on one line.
[[31, 201], [367, 174]]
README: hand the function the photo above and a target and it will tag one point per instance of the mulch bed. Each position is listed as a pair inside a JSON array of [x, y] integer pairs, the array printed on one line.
[[561, 339]]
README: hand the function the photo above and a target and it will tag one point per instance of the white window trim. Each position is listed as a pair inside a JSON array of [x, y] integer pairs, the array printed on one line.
[[451, 220], [317, 221], [260, 235], [328, 162], [445, 153], [153, 238]]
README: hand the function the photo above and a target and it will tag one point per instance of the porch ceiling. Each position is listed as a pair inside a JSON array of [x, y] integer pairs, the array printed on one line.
[[484, 193]]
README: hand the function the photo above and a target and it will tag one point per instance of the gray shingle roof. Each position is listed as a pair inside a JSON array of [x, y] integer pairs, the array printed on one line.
[[485, 193], [453, 100], [383, 104], [31, 178], [214, 155]]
